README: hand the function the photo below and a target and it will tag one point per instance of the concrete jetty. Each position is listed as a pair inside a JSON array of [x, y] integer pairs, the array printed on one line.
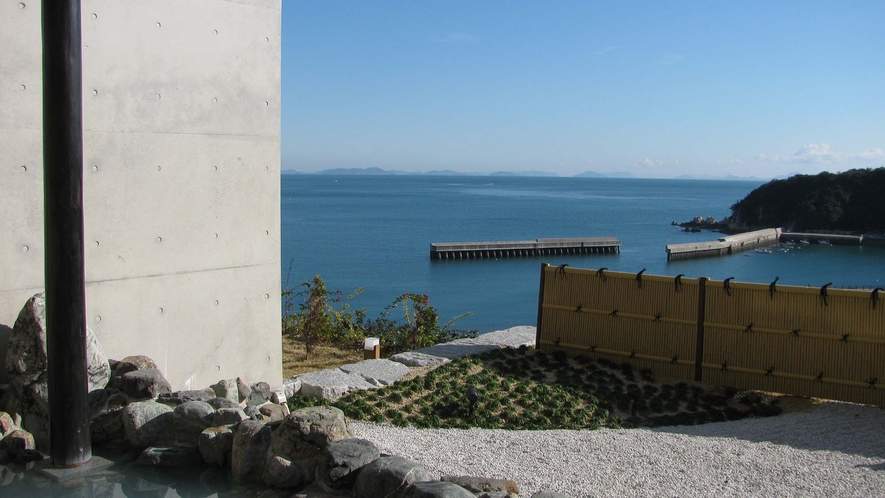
[[522, 248], [724, 245]]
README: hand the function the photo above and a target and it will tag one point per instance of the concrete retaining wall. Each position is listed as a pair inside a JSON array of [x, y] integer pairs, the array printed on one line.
[[181, 104]]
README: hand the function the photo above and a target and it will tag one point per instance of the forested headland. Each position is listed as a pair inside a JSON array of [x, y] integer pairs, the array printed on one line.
[[852, 201]]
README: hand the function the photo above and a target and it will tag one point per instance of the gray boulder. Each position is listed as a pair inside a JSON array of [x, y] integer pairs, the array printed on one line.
[[146, 423], [243, 390], [416, 359], [26, 365], [133, 363], [273, 411], [338, 464], [227, 389], [291, 386], [249, 451], [483, 484], [179, 397], [549, 494], [390, 477], [297, 443], [436, 489], [144, 384], [170, 457], [190, 420], [228, 416], [377, 372], [215, 445], [219, 403]]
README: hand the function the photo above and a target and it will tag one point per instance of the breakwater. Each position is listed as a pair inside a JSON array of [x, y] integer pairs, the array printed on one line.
[[523, 248], [724, 245]]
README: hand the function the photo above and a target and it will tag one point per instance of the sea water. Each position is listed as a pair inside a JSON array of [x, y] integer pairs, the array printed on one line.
[[375, 232]]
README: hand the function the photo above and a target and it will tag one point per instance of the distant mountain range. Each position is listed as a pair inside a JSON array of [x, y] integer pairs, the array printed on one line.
[[447, 172]]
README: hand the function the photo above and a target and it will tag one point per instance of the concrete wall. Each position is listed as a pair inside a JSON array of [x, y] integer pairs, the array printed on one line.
[[181, 105]]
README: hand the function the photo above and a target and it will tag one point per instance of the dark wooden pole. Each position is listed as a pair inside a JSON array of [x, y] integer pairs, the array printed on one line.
[[702, 317], [70, 443], [540, 305]]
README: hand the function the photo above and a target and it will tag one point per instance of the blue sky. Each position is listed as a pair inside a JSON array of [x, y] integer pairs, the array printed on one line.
[[656, 88]]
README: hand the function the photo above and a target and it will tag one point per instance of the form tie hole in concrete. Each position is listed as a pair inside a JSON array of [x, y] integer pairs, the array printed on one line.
[[158, 96], [267, 296], [161, 310], [159, 25], [97, 244], [158, 167], [21, 5], [267, 232], [24, 168], [23, 87], [94, 168], [214, 31], [215, 168], [216, 235], [159, 239], [214, 99], [98, 318], [94, 15], [25, 248], [216, 302], [266, 103], [94, 92]]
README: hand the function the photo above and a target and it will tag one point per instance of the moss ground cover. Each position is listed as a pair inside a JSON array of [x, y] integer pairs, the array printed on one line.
[[524, 389]]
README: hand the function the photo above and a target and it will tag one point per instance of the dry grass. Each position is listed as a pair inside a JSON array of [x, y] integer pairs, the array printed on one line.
[[323, 357]]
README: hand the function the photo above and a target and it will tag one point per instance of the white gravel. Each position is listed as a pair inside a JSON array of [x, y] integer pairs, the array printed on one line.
[[838, 449]]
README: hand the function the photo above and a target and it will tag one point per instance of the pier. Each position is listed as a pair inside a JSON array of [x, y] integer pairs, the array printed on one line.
[[724, 245], [847, 240], [524, 248]]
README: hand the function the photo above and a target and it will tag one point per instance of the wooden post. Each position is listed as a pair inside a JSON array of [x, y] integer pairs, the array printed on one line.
[[702, 317], [540, 305], [70, 442]]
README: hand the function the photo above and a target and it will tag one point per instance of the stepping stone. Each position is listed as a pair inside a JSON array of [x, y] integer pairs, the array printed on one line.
[[513, 337], [377, 372], [416, 359], [330, 384]]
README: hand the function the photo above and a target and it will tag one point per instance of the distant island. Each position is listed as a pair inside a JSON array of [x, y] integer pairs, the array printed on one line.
[[374, 171], [851, 201]]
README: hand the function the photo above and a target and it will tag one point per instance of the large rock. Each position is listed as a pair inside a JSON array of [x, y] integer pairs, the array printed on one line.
[[7, 425], [227, 388], [437, 489], [297, 443], [15, 443], [179, 397], [133, 363], [190, 420], [249, 451], [144, 384], [483, 484], [330, 384], [273, 411], [146, 423], [389, 477], [514, 337], [339, 462], [215, 445], [228, 416], [26, 365], [291, 386], [377, 372]]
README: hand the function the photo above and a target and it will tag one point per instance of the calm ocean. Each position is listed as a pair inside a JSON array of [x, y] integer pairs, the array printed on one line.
[[375, 232]]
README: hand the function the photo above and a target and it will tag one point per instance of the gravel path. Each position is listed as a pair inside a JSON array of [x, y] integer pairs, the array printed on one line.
[[838, 449]]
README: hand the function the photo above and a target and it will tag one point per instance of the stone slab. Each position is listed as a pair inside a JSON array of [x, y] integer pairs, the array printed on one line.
[[377, 372], [416, 359], [330, 384], [96, 464], [514, 337]]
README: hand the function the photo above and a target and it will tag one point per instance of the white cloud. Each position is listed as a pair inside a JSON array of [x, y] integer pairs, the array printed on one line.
[[823, 153], [654, 163], [668, 58]]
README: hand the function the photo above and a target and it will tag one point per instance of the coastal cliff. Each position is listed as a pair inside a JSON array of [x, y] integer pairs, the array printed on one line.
[[845, 202]]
